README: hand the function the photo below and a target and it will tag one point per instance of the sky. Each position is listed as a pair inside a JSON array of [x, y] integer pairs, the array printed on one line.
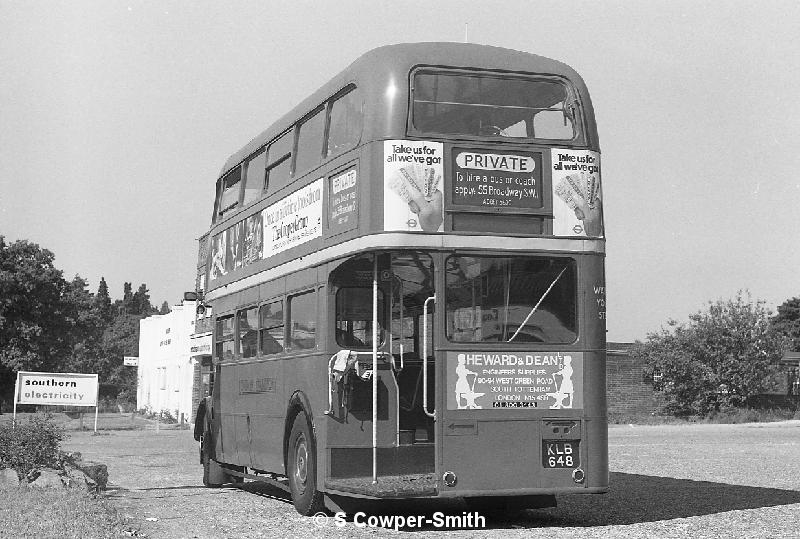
[[116, 117]]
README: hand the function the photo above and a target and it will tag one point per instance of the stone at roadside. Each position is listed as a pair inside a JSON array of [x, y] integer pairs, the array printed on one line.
[[8, 478], [71, 457], [98, 473], [75, 478], [47, 479]]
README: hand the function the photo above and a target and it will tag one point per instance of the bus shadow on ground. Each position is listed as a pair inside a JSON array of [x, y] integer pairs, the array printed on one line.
[[634, 499], [631, 499]]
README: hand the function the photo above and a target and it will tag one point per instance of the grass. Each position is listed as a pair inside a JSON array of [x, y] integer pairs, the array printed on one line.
[[106, 421], [735, 416], [58, 513]]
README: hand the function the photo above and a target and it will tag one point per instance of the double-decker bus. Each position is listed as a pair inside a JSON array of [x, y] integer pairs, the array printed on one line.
[[406, 274]]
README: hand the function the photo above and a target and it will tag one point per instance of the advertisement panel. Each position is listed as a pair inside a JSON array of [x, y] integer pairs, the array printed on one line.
[[497, 180], [294, 220], [343, 206], [577, 200], [412, 191], [488, 380], [51, 388]]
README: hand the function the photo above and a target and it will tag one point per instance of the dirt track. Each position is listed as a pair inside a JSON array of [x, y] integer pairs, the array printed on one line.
[[667, 481]]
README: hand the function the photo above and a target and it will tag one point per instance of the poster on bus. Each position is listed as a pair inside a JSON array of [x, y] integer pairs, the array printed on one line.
[[294, 220], [577, 199], [412, 191], [489, 380]]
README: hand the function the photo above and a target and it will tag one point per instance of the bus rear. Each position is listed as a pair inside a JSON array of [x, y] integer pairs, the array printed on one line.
[[490, 287]]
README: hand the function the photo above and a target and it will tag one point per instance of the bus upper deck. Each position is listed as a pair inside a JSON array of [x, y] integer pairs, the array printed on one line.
[[427, 125]]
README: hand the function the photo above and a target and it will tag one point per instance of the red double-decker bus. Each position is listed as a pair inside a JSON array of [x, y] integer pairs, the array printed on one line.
[[406, 274]]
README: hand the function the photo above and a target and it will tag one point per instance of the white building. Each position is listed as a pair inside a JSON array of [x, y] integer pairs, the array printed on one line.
[[169, 373]]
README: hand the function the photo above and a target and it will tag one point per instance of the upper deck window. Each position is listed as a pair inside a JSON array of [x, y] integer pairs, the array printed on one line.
[[254, 177], [278, 161], [494, 106], [229, 190], [309, 142], [346, 118]]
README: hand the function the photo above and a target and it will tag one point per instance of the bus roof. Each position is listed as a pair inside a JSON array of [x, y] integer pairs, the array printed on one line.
[[372, 71]]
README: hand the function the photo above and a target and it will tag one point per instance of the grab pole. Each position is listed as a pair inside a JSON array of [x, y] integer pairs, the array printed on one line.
[[375, 370], [425, 358]]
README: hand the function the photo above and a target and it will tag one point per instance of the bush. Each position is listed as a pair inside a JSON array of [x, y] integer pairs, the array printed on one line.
[[32, 445], [718, 362]]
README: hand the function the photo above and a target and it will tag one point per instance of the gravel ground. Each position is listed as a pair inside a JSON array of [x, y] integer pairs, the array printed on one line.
[[666, 481]]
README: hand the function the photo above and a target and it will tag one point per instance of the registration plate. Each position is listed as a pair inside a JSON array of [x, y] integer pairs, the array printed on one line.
[[560, 454]]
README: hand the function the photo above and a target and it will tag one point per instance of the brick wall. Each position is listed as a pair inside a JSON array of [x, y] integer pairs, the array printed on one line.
[[628, 391]]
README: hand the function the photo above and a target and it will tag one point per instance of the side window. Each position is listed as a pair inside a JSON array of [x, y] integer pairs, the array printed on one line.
[[303, 321], [279, 162], [248, 332], [225, 338], [254, 177], [309, 142], [270, 327], [345, 123], [229, 190]]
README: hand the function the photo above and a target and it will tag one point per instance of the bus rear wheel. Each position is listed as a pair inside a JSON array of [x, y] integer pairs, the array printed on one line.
[[214, 474], [302, 468]]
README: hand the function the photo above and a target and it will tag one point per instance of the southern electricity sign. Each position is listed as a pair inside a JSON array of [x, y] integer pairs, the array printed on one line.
[[59, 388]]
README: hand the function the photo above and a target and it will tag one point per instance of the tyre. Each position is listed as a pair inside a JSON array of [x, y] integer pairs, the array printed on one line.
[[302, 468], [213, 474]]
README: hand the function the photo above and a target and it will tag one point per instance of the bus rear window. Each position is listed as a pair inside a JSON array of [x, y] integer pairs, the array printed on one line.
[[493, 106], [520, 299]]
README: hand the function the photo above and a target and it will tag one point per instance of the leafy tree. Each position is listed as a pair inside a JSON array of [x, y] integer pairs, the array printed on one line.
[[85, 325], [164, 308], [49, 324], [787, 322], [723, 357], [33, 332], [120, 338]]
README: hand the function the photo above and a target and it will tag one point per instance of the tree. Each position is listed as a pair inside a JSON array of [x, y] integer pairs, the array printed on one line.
[[102, 301], [164, 308], [721, 359], [140, 303], [33, 328], [787, 322], [127, 297]]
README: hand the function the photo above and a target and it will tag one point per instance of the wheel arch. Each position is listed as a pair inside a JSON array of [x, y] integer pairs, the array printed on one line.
[[298, 402]]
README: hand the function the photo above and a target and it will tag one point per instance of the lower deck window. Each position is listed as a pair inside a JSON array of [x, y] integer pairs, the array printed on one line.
[[303, 321]]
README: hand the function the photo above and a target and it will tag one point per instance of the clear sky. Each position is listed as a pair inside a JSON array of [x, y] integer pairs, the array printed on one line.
[[116, 117]]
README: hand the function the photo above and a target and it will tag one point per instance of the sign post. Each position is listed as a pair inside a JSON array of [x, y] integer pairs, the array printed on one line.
[[130, 361], [57, 389]]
